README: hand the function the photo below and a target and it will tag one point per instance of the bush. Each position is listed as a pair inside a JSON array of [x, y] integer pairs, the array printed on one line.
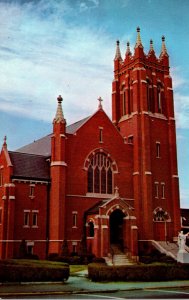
[[24, 270], [153, 272], [99, 260], [156, 257]]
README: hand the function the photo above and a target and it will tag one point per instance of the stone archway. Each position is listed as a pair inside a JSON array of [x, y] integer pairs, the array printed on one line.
[[116, 227]]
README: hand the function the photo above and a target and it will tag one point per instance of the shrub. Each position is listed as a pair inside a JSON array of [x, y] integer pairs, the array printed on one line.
[[99, 260], [156, 257], [15, 271], [153, 272]]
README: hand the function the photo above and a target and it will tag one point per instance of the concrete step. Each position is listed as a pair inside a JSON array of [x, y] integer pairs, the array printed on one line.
[[169, 248], [119, 260]]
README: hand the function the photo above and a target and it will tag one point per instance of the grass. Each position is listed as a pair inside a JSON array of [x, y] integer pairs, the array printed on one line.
[[45, 263], [77, 268]]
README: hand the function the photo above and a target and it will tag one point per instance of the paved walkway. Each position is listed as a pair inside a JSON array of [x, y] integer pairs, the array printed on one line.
[[80, 284]]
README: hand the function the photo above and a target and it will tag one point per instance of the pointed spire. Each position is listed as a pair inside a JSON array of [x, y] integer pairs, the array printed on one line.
[[5, 141], [151, 46], [138, 41], [151, 50], [100, 102], [163, 47], [116, 192], [118, 52], [128, 51], [59, 113]]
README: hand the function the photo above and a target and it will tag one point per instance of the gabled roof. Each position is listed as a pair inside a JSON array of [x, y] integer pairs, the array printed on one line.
[[95, 208], [43, 145], [39, 147], [71, 129], [29, 166]]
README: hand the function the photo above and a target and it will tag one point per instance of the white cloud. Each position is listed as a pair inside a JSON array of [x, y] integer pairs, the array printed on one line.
[[181, 98], [41, 58]]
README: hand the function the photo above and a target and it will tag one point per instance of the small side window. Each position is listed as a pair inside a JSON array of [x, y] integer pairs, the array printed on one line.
[[158, 149], [32, 190], [26, 218], [74, 219], [156, 185]]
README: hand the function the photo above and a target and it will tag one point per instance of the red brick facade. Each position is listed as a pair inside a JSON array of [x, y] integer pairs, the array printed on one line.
[[99, 182]]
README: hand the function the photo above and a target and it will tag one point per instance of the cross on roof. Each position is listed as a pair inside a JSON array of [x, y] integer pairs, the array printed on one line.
[[100, 102]]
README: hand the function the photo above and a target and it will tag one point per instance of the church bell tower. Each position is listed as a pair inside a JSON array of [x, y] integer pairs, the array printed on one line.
[[143, 112]]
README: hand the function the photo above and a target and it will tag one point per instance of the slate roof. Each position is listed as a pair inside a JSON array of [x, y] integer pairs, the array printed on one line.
[[43, 146], [29, 166], [95, 209]]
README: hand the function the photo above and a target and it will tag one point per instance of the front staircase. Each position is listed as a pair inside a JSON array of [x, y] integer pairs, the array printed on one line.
[[118, 257], [168, 248]]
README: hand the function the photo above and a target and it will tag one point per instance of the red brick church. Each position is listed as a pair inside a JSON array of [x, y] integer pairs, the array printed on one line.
[[99, 181]]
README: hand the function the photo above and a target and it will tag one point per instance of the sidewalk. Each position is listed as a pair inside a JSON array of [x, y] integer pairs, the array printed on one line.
[[80, 284]]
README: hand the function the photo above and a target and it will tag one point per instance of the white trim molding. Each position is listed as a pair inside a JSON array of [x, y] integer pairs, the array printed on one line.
[[58, 163]]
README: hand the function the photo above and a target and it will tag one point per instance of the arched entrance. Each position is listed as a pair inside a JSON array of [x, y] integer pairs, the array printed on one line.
[[116, 227]]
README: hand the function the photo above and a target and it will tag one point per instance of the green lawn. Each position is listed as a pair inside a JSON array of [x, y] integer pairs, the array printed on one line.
[[77, 268]]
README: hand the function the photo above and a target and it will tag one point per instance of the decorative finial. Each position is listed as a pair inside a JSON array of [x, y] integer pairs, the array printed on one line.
[[60, 99], [151, 45], [5, 140], [128, 51], [116, 191], [118, 52], [138, 41], [100, 102], [163, 47], [59, 113]]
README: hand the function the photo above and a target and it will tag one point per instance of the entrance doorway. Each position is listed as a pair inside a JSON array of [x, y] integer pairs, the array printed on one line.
[[116, 227]]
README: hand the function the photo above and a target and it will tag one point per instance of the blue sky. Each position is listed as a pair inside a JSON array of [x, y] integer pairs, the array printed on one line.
[[67, 47]]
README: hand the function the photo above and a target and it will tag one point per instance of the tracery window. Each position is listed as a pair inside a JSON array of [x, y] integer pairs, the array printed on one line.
[[159, 99], [160, 215], [124, 102], [100, 174], [149, 92]]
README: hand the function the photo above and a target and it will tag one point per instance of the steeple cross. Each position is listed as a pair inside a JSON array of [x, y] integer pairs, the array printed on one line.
[[100, 102]]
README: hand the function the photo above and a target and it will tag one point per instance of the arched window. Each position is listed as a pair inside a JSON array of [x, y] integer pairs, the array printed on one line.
[[149, 95], [160, 215], [124, 102], [91, 229], [130, 96], [159, 99], [100, 174]]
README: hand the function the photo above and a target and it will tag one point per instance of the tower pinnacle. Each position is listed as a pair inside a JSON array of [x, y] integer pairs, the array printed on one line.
[[138, 41], [118, 52], [5, 141], [59, 113], [163, 47], [151, 46], [128, 51]]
